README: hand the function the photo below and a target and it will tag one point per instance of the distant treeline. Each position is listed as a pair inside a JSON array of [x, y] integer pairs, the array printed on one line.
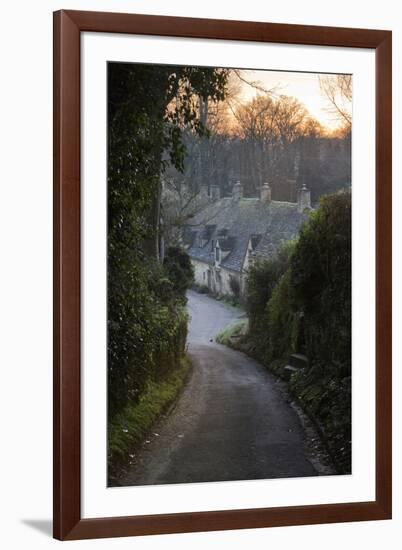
[[273, 141]]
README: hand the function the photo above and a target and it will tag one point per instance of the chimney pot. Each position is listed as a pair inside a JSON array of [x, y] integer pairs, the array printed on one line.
[[237, 191], [265, 193], [303, 199], [215, 193]]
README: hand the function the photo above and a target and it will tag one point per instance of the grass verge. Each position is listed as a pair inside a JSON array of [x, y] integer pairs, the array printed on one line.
[[129, 428], [230, 335]]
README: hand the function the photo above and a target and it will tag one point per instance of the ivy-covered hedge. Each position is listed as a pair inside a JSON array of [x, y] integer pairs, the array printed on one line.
[[147, 329], [263, 283], [300, 302]]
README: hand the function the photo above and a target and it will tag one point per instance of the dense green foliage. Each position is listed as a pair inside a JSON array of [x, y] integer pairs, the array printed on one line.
[[147, 322], [234, 285], [179, 269], [321, 279], [262, 280], [300, 302]]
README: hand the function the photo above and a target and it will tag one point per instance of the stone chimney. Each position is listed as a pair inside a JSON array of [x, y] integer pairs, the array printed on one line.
[[215, 193], [303, 199], [265, 193], [237, 191]]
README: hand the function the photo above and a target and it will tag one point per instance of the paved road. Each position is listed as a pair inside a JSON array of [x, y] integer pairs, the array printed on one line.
[[230, 423]]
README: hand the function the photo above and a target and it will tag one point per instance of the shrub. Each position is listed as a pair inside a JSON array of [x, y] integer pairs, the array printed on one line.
[[282, 320], [234, 287], [321, 280], [147, 327], [261, 281], [179, 269]]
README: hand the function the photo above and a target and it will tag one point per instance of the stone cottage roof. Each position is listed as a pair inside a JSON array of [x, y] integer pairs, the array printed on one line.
[[227, 244], [234, 223]]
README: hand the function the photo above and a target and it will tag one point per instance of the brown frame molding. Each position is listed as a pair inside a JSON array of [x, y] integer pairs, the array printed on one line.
[[67, 476]]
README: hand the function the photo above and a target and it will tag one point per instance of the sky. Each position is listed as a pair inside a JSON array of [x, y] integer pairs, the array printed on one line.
[[303, 86]]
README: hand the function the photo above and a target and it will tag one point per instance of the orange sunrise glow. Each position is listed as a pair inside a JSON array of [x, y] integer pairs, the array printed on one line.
[[303, 86]]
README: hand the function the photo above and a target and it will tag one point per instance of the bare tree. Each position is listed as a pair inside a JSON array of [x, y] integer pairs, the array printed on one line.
[[241, 76], [338, 91], [270, 126]]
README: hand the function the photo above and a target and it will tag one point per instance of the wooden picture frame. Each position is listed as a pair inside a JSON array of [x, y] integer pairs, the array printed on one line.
[[68, 523]]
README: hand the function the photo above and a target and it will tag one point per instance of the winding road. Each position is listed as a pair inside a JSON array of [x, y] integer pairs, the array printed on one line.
[[231, 421]]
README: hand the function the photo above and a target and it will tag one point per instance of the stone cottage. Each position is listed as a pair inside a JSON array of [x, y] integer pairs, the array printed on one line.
[[230, 233]]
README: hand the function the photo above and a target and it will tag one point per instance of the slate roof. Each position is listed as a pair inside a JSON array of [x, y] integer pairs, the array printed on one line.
[[226, 243], [266, 224]]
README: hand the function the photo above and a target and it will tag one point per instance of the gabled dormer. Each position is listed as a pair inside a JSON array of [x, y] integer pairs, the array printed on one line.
[[226, 245]]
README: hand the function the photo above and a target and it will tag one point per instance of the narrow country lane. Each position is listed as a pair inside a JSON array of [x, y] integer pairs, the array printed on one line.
[[230, 422]]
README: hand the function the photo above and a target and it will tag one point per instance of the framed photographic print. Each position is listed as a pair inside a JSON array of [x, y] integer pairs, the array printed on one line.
[[222, 266]]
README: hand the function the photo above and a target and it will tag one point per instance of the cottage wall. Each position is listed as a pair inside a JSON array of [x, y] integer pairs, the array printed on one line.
[[216, 279], [226, 275], [200, 272]]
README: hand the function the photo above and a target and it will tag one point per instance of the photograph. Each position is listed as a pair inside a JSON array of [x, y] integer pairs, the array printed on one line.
[[201, 284], [229, 259]]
